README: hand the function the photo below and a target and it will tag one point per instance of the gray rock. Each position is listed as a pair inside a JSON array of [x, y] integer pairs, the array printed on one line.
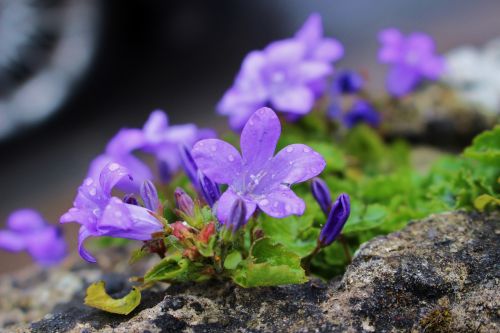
[[437, 275]]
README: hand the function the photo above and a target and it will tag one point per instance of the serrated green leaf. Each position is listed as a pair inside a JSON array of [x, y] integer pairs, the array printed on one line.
[[232, 260], [486, 147], [270, 264], [98, 298]]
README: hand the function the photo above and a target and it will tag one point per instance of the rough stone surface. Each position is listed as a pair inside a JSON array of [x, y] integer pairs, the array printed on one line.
[[437, 275]]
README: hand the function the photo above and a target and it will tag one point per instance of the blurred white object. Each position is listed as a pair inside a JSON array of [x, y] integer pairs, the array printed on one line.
[[475, 74], [45, 48]]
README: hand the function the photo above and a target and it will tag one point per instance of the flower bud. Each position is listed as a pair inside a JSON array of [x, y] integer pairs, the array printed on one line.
[[188, 164], [149, 195], [321, 193], [237, 215], [183, 202], [348, 82], [209, 189], [336, 220]]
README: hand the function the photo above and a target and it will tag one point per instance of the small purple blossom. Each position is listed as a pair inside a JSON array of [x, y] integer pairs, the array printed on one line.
[[412, 59], [27, 230], [339, 213], [257, 177], [101, 214], [156, 138], [348, 82], [361, 112], [149, 196], [184, 202], [321, 193], [287, 75]]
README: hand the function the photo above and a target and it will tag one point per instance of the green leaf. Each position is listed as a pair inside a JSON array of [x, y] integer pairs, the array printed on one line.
[[137, 255], [232, 260], [173, 268], [98, 298], [486, 147], [270, 264], [369, 218], [485, 200]]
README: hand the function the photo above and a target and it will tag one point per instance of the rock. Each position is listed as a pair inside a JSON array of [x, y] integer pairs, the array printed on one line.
[[437, 275]]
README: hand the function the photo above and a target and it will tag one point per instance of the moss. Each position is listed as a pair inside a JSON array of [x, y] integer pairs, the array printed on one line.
[[438, 320]]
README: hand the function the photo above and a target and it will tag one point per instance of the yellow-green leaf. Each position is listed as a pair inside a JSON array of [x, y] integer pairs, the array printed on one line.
[[484, 200], [98, 298]]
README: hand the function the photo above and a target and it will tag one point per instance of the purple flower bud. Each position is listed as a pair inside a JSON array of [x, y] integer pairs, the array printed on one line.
[[237, 215], [321, 193], [361, 112], [209, 189], [164, 172], [183, 202], [348, 82], [149, 195], [336, 220], [130, 199], [188, 164]]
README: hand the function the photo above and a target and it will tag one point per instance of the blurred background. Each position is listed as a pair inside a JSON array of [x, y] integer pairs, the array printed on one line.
[[72, 72]]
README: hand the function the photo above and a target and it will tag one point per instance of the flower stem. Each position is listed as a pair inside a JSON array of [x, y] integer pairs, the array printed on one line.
[[345, 246], [306, 262]]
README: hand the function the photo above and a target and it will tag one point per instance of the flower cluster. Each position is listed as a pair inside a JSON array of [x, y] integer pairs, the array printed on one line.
[[412, 59], [27, 230], [288, 75]]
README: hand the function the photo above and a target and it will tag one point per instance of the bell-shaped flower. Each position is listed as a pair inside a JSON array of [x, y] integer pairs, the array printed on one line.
[[101, 214], [28, 231], [158, 138], [287, 75], [412, 57], [257, 176], [339, 213]]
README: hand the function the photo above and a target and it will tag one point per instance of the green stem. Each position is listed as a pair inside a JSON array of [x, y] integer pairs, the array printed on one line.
[[306, 262], [345, 246]]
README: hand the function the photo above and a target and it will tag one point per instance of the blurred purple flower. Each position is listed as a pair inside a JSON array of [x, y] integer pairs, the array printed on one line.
[[339, 213], [361, 112], [412, 58], [348, 82], [156, 138], [27, 230], [256, 176], [101, 214], [288, 75]]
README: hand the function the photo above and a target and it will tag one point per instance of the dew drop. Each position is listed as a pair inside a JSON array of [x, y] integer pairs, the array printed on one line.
[[213, 148], [264, 202], [88, 181], [113, 166], [288, 208], [306, 149], [289, 149], [96, 212], [230, 158], [275, 205], [92, 191]]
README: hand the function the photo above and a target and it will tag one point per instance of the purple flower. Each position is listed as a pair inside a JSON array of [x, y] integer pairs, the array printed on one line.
[[257, 177], [156, 138], [287, 75], [336, 220], [361, 112], [27, 230], [348, 82], [209, 189], [412, 58], [183, 202], [101, 214], [237, 215], [149, 196]]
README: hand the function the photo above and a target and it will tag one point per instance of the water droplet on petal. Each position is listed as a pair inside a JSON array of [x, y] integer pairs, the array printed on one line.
[[96, 212], [264, 202], [89, 181], [92, 191], [289, 149], [288, 208], [113, 166], [275, 205], [213, 148], [306, 149], [230, 158]]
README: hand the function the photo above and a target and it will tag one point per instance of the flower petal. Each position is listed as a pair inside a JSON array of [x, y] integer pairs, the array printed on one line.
[[115, 217], [391, 50], [25, 220], [125, 141], [298, 99], [329, 50], [285, 52], [401, 80], [281, 203], [155, 127], [311, 31], [217, 159], [259, 138], [226, 201], [309, 71], [82, 236], [111, 174], [11, 241], [294, 164], [48, 247]]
